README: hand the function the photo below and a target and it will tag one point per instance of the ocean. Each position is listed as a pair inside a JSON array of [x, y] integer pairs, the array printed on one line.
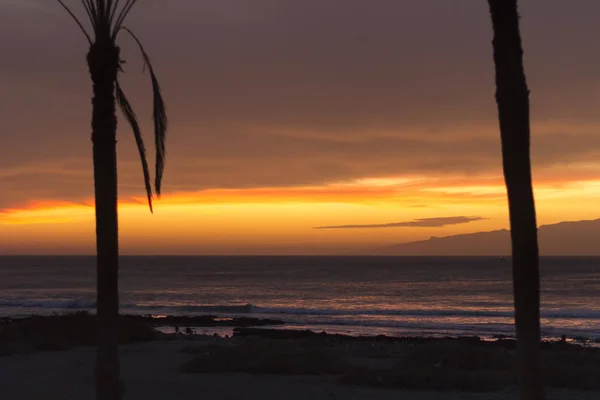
[[430, 296]]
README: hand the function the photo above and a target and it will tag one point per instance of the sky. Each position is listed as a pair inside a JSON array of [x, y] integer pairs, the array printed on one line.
[[297, 126]]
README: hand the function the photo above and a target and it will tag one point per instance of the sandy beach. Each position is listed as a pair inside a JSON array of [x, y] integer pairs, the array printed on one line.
[[151, 371]]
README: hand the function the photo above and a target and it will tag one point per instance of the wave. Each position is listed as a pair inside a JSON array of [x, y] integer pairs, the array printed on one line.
[[89, 304], [418, 328], [194, 309], [49, 303], [334, 314], [382, 312], [251, 309], [554, 314]]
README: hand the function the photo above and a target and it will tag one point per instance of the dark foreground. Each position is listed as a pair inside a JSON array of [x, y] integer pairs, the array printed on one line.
[[52, 358]]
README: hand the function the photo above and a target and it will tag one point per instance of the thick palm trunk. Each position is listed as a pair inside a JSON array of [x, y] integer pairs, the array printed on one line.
[[512, 97], [103, 62]]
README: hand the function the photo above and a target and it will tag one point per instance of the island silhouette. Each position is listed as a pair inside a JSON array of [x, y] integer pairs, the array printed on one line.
[[569, 238]]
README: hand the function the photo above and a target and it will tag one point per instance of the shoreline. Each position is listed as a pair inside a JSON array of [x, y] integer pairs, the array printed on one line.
[[237, 326]]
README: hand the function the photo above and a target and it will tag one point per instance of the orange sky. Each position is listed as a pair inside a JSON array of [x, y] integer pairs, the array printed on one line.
[[375, 115], [282, 220]]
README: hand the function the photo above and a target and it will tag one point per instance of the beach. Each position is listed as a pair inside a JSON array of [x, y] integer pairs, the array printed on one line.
[[151, 372], [53, 358]]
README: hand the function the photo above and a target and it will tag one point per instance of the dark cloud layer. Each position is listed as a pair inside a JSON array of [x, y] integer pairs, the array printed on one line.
[[418, 223], [273, 93]]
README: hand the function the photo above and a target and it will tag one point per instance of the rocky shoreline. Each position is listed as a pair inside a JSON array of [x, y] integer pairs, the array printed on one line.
[[259, 327]]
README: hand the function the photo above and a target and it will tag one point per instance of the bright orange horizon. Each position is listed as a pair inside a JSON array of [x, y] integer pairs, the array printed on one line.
[[282, 220]]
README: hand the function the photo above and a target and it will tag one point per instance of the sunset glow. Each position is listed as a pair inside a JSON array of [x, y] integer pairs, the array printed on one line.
[[281, 220]]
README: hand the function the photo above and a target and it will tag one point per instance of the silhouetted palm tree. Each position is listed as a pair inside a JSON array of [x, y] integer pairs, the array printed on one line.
[[104, 62], [512, 96]]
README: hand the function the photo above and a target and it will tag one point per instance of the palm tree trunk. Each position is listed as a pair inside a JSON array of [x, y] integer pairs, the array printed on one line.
[[103, 62], [512, 96]]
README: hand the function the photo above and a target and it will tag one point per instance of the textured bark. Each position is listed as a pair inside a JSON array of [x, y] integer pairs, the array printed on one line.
[[512, 96], [103, 63]]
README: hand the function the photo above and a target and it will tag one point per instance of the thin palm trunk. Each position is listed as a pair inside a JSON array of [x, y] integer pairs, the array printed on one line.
[[106, 18], [103, 62], [512, 96]]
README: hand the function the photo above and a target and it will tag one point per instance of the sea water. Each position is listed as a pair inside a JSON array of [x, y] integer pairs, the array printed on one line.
[[430, 296]]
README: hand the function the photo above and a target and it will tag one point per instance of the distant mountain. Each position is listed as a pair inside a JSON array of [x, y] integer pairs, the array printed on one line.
[[564, 238]]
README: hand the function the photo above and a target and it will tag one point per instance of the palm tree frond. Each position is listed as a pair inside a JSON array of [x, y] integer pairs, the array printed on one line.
[[122, 15], [91, 5], [159, 115], [88, 10], [137, 133], [114, 6], [89, 39]]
